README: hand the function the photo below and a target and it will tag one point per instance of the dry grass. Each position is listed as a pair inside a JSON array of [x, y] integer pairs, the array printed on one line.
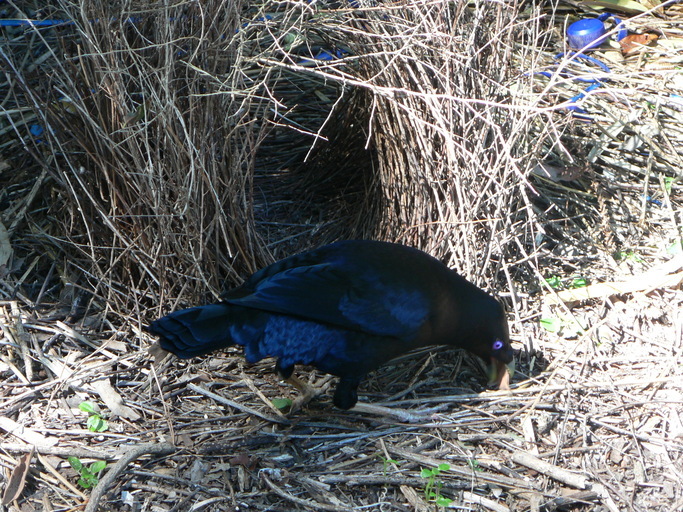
[[183, 147]]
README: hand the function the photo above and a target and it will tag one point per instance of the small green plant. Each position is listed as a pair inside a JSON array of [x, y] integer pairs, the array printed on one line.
[[561, 325], [433, 486], [669, 184], [578, 282], [555, 282], [474, 464], [551, 324], [386, 462], [96, 423], [628, 255], [89, 474]]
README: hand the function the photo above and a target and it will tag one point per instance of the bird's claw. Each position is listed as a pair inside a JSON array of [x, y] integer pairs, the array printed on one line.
[[308, 392]]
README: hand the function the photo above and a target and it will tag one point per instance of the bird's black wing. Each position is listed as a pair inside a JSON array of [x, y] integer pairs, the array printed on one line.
[[329, 287]]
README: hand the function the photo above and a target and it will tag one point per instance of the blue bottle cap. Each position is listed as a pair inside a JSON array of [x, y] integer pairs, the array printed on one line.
[[586, 33]]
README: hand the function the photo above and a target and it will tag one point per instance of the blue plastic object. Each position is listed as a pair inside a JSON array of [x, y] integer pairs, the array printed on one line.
[[20, 22], [588, 59], [36, 130], [590, 33], [586, 33], [595, 80]]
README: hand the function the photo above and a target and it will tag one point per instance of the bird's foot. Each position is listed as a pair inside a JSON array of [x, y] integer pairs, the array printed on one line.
[[308, 392]]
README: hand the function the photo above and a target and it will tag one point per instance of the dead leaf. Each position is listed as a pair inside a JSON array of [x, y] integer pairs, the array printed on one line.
[[113, 400], [651, 4], [626, 6], [635, 42], [17, 480], [197, 471], [242, 459]]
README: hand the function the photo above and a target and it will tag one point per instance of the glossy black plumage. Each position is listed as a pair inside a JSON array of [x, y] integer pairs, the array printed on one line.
[[345, 308]]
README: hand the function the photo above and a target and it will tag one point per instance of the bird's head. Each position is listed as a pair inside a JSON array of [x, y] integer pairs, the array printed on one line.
[[489, 339], [502, 364]]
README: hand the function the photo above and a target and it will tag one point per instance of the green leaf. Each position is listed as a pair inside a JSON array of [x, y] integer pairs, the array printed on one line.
[[579, 282], [669, 183], [426, 473], [444, 466], [553, 324], [88, 481], [282, 403], [97, 424], [97, 466], [628, 255], [88, 407], [555, 282], [75, 463], [290, 37], [442, 501]]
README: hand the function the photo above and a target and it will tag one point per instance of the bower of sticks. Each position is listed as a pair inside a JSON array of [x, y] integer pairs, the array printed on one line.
[[154, 154]]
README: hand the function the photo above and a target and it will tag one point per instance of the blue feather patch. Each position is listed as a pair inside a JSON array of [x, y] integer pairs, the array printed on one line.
[[388, 311], [297, 341]]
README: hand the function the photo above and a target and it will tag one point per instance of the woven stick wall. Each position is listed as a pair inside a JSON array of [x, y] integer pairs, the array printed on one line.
[[166, 129]]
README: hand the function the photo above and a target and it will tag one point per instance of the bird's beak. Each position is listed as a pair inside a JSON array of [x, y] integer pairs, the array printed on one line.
[[500, 374]]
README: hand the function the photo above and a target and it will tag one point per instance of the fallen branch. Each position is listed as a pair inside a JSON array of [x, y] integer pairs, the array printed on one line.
[[118, 468], [238, 406], [664, 276], [304, 503], [484, 502], [62, 451], [554, 472]]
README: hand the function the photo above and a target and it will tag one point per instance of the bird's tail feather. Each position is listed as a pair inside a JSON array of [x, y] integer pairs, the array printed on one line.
[[196, 331]]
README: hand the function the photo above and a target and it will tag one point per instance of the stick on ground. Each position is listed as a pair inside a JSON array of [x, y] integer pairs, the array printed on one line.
[[118, 468]]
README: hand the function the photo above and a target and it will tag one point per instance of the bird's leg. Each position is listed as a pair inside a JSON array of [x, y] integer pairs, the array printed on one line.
[[308, 392], [285, 372], [346, 394]]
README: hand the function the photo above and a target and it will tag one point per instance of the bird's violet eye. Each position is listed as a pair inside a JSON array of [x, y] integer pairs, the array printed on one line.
[[497, 345]]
